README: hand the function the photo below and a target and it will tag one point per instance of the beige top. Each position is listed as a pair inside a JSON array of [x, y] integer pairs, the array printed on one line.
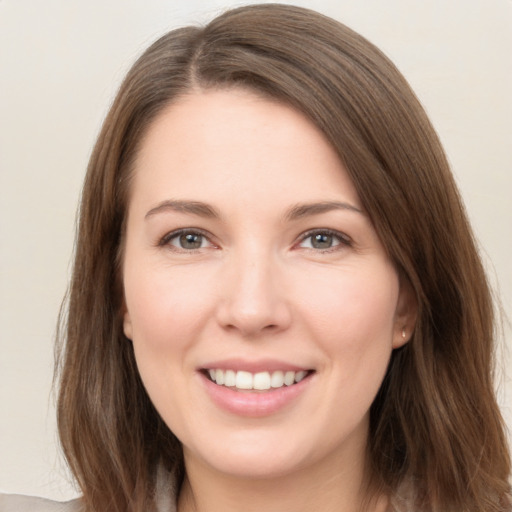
[[16, 503], [165, 501]]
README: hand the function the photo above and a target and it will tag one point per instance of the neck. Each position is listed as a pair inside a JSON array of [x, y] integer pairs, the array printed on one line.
[[329, 488]]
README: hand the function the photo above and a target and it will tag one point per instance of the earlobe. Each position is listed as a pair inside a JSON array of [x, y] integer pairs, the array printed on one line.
[[402, 337], [127, 324], [406, 313]]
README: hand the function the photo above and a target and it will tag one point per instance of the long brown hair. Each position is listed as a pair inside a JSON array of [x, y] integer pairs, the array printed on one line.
[[435, 423]]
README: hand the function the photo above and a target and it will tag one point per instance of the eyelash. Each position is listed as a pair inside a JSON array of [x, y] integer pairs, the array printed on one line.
[[166, 240], [342, 239]]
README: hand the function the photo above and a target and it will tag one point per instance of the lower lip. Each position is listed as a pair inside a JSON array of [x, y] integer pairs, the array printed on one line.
[[254, 404]]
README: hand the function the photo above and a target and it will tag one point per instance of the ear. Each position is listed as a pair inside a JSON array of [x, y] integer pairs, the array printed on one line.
[[405, 314], [127, 322]]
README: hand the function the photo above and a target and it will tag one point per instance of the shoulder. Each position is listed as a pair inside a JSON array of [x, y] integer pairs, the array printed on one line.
[[165, 498], [18, 503]]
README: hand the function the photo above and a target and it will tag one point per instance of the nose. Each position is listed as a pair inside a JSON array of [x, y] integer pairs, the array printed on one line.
[[253, 298]]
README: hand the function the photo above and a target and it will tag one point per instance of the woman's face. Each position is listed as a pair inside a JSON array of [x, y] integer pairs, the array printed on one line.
[[262, 306]]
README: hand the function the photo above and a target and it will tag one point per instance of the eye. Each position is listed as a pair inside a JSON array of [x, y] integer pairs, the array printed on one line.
[[186, 240], [324, 240]]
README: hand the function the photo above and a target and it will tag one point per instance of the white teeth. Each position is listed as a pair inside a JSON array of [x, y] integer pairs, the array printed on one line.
[[243, 380], [229, 378], [260, 381], [219, 377], [289, 378], [300, 375], [277, 380]]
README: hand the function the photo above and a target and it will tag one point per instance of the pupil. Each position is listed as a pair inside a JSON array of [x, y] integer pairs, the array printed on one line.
[[190, 241], [322, 241]]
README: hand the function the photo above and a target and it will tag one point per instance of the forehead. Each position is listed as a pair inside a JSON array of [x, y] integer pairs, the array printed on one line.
[[236, 145]]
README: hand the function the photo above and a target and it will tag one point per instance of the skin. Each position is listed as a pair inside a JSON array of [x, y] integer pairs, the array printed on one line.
[[258, 287]]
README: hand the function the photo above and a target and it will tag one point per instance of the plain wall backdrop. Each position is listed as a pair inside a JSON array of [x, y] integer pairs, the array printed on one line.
[[60, 65]]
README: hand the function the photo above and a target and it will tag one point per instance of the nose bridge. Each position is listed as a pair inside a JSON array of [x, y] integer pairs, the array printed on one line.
[[253, 299]]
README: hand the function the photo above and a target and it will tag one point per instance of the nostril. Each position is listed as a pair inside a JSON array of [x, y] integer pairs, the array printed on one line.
[[251, 313]]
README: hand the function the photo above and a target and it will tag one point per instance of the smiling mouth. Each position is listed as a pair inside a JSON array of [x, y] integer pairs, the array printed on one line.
[[261, 381]]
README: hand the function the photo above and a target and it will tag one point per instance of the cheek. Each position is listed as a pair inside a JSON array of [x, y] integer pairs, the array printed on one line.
[[165, 309], [166, 305], [351, 316], [352, 309], [355, 321]]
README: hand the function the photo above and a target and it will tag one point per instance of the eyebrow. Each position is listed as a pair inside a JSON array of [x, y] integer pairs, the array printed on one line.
[[205, 210], [308, 209], [191, 207]]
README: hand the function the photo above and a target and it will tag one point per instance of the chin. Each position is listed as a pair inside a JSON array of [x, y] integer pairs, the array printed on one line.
[[258, 467], [254, 455]]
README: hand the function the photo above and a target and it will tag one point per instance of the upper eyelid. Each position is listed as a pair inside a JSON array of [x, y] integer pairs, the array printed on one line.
[[303, 236], [334, 232], [177, 232], [344, 242]]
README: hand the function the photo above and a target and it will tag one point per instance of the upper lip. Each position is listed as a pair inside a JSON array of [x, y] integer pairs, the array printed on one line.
[[260, 365]]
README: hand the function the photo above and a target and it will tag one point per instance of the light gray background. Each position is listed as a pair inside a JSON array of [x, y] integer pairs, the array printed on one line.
[[60, 64]]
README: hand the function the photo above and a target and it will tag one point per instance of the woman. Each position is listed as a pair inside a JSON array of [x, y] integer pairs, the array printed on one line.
[[276, 300]]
